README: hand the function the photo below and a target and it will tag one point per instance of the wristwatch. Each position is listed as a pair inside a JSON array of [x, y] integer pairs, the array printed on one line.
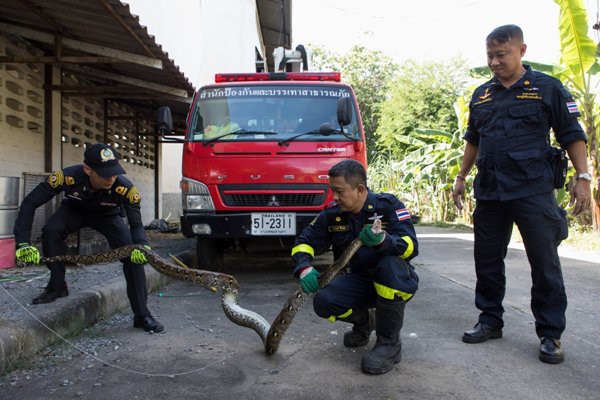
[[585, 176]]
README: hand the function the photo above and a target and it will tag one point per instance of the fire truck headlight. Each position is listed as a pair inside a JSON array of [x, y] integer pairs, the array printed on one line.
[[195, 196], [198, 202]]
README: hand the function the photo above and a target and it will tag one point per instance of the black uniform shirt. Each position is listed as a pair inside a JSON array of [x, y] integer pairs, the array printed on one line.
[[337, 228], [75, 184], [511, 128]]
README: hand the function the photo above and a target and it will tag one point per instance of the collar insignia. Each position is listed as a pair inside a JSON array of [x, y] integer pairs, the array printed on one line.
[[486, 94]]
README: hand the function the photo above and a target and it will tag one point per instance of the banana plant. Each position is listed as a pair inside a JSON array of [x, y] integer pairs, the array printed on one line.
[[578, 63], [423, 176]]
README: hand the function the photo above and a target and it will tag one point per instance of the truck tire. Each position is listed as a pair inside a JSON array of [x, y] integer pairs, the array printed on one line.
[[210, 254]]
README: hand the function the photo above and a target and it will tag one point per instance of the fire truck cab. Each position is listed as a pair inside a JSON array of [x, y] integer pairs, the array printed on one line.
[[257, 151]]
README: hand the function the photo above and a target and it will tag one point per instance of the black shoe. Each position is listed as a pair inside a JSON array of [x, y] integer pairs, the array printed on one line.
[[481, 332], [551, 351], [50, 295], [148, 323]]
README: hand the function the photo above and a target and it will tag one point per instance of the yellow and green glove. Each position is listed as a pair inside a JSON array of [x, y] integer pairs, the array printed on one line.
[[369, 238], [308, 280], [28, 254], [138, 257]]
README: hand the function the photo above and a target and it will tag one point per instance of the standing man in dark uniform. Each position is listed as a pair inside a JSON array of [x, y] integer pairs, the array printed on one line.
[[94, 194], [508, 140], [380, 274]]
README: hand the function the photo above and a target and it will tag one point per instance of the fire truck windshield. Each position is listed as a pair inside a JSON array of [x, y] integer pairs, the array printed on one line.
[[268, 113]]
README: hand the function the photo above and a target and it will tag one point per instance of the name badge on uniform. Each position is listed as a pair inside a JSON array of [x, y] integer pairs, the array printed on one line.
[[338, 228]]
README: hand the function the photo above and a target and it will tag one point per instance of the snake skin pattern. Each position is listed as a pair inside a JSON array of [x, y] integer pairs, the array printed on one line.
[[271, 334]]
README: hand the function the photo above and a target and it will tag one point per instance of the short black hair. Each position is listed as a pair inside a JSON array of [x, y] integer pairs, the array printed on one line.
[[505, 33], [353, 172]]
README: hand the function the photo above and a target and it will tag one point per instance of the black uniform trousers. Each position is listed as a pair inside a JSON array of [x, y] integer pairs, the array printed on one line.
[[543, 226], [356, 290], [69, 219]]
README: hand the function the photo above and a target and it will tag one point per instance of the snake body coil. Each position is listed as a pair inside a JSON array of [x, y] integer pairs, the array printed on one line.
[[271, 334]]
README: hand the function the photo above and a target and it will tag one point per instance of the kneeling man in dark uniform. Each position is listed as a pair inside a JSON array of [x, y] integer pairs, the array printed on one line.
[[94, 193], [380, 276]]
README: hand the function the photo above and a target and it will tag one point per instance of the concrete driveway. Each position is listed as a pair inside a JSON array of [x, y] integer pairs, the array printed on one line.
[[203, 355]]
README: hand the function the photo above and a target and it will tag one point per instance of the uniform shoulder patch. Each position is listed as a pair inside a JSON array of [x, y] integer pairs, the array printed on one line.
[[134, 195], [56, 179], [121, 190], [74, 174]]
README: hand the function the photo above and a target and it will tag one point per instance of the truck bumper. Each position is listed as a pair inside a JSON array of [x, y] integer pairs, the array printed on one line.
[[235, 225]]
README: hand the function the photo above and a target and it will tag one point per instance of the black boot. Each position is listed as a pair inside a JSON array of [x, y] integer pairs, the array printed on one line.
[[49, 295], [363, 323], [389, 317]]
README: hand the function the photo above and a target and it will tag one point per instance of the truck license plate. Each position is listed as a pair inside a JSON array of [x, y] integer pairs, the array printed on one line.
[[273, 224]]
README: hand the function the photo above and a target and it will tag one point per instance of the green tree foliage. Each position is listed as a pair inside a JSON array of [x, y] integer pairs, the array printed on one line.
[[421, 96], [423, 175], [369, 72]]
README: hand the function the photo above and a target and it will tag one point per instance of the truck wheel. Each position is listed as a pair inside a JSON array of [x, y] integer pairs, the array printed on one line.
[[210, 254]]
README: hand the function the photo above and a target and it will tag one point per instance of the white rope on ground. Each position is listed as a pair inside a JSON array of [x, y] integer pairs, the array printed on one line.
[[83, 351]]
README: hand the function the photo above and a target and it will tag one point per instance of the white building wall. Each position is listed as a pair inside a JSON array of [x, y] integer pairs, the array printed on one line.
[[203, 37], [77, 122]]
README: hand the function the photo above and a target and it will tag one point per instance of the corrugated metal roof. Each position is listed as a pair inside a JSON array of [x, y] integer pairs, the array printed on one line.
[[101, 22], [110, 24]]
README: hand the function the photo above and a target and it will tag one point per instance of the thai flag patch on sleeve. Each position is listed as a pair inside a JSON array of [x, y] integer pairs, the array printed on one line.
[[572, 107], [402, 214]]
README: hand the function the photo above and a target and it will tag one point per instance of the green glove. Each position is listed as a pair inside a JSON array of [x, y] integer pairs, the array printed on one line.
[[369, 238], [309, 281], [28, 254], [138, 257]]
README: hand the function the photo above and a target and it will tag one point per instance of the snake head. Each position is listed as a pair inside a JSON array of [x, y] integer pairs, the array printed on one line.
[[376, 228]]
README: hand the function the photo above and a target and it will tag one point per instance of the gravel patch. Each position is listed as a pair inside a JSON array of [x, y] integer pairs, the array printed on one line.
[[96, 341], [81, 350], [30, 281]]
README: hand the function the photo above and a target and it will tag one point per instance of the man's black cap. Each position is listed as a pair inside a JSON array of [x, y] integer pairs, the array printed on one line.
[[103, 159]]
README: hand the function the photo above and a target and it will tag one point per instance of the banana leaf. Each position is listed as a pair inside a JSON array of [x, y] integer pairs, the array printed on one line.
[[578, 51], [435, 134]]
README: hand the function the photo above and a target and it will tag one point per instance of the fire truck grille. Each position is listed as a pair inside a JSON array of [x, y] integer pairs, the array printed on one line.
[[274, 199]]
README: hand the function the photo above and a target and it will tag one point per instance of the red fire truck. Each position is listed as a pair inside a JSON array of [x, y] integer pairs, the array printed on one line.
[[256, 155]]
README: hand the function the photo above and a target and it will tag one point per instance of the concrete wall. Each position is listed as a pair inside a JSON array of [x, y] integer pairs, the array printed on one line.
[[21, 113], [77, 122]]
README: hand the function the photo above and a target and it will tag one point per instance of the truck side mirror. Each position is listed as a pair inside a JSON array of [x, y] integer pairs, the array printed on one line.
[[164, 121], [344, 111]]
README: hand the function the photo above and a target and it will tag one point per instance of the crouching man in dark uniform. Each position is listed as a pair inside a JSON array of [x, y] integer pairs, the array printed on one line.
[[94, 193], [380, 275]]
